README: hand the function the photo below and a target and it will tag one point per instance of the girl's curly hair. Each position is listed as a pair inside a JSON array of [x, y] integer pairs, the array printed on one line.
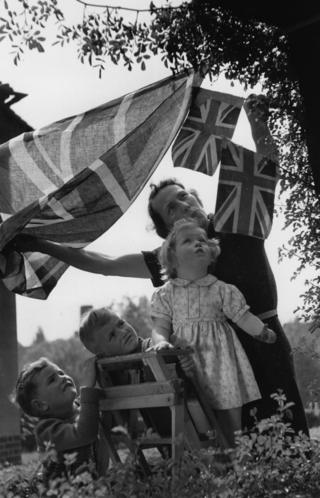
[[168, 248]]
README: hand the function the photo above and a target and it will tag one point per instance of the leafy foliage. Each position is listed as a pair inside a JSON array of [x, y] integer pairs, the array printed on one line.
[[203, 35], [306, 354], [270, 461]]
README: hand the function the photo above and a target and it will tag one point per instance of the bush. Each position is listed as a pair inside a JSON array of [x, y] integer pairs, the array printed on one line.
[[269, 461], [272, 460]]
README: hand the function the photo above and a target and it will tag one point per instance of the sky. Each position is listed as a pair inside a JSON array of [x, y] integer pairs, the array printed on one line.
[[58, 85]]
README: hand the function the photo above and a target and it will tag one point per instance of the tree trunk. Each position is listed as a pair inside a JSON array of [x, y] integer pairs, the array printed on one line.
[[10, 447]]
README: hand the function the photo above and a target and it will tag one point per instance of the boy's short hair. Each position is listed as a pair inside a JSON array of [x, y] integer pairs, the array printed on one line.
[[92, 320], [168, 247], [26, 385]]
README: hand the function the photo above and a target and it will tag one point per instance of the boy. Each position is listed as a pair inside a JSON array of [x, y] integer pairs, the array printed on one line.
[[43, 390], [104, 333]]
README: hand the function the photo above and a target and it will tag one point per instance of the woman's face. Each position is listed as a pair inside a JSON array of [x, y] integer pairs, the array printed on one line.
[[174, 203]]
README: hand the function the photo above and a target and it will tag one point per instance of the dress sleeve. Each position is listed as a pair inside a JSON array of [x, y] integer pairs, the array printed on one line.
[[234, 305], [161, 304]]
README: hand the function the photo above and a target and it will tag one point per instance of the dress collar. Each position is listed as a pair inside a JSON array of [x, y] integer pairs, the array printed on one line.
[[200, 282]]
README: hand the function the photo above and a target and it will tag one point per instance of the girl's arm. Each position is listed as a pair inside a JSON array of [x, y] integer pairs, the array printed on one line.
[[160, 334], [129, 265], [254, 326]]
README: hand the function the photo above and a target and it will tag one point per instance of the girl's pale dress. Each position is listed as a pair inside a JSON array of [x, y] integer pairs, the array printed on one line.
[[198, 312]]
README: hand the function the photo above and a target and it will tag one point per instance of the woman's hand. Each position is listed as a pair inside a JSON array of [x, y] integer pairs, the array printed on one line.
[[257, 107]]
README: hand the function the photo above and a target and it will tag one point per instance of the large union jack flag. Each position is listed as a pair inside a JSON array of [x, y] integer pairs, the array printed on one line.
[[70, 181], [212, 116], [246, 189]]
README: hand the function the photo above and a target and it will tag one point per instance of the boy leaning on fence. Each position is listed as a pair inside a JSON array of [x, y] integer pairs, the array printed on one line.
[[104, 333]]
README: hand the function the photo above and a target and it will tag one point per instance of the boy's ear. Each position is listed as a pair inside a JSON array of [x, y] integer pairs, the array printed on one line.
[[39, 407]]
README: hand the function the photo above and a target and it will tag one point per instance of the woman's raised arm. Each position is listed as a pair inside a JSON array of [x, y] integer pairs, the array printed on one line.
[[129, 265]]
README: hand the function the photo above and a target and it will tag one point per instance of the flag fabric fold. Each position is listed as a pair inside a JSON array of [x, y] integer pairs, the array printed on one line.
[[72, 180], [212, 117], [246, 190]]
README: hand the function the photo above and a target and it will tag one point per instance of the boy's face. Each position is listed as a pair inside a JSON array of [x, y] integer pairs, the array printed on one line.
[[115, 337], [55, 392]]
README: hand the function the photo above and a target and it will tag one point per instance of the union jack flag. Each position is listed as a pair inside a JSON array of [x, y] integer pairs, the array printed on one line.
[[246, 188], [212, 116], [71, 181]]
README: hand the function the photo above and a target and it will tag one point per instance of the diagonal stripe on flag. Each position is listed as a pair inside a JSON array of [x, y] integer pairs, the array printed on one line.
[[246, 190], [109, 171], [111, 184], [65, 146], [28, 166]]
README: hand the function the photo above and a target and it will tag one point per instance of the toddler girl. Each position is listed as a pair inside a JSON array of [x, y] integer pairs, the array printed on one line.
[[196, 306]]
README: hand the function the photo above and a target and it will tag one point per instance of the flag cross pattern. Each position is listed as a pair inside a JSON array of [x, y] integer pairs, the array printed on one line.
[[212, 116], [246, 189], [72, 180]]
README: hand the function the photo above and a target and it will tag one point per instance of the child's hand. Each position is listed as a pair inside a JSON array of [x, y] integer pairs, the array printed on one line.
[[267, 335], [88, 373], [162, 345], [270, 336]]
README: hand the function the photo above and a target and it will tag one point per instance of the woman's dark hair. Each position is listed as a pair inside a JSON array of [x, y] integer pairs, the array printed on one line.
[[159, 225]]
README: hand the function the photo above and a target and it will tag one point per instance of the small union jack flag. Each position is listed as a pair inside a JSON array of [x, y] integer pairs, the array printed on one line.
[[245, 199], [212, 116]]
